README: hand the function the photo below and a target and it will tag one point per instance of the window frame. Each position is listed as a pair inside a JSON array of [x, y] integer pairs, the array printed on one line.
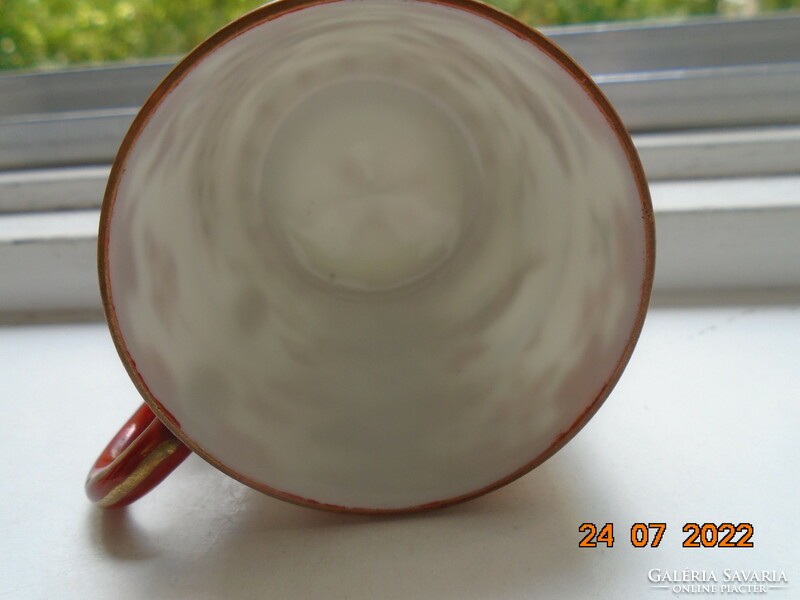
[[711, 104]]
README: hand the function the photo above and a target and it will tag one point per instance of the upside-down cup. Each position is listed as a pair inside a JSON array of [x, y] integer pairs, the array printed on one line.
[[370, 256]]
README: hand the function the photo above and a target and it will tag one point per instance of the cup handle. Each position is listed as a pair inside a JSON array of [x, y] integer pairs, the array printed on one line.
[[135, 461]]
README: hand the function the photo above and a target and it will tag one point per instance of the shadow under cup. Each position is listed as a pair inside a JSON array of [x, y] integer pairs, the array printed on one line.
[[376, 255]]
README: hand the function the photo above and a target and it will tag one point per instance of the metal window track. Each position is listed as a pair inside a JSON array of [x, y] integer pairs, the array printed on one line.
[[601, 49], [674, 155], [760, 95]]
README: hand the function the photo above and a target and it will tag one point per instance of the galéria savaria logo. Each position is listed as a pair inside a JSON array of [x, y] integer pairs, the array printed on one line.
[[726, 581]]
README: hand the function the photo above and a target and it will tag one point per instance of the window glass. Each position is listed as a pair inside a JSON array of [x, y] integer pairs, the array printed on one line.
[[56, 33]]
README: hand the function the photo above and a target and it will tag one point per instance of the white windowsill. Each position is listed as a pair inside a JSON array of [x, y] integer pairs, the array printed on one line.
[[701, 428]]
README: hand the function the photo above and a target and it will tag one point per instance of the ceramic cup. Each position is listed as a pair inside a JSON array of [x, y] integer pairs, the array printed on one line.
[[370, 255]]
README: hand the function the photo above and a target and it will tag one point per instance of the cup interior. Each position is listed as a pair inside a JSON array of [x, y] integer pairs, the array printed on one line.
[[376, 255]]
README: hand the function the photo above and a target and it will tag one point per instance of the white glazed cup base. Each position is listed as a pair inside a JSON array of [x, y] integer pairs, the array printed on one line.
[[395, 184]]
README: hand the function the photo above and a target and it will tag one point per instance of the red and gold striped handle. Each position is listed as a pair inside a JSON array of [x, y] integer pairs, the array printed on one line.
[[136, 460]]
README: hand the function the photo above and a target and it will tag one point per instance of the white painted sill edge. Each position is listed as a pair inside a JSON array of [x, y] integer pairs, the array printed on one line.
[[712, 235]]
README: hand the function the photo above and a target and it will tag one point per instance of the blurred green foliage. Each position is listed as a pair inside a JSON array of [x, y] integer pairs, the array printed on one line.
[[53, 33]]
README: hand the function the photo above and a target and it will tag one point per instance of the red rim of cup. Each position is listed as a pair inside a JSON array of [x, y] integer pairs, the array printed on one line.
[[131, 465]]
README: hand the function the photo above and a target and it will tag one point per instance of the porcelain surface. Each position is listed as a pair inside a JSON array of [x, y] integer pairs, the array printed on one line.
[[377, 254]]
